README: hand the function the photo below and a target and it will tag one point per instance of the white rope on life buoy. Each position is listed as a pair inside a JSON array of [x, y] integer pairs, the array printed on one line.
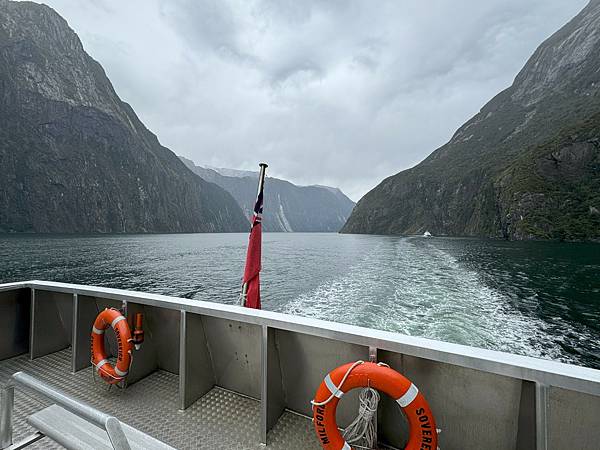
[[337, 388]]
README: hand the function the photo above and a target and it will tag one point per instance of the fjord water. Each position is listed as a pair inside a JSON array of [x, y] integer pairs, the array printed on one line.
[[532, 298]]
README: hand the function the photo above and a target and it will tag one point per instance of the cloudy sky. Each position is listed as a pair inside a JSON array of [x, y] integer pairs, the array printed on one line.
[[336, 92]]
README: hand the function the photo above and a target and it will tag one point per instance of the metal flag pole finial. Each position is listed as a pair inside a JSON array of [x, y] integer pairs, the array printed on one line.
[[261, 178]]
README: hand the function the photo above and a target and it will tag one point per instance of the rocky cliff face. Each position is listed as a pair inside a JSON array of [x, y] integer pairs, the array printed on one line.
[[287, 207], [73, 156], [526, 166]]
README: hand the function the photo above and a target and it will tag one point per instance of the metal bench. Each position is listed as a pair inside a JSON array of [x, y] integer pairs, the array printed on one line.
[[72, 431], [73, 424]]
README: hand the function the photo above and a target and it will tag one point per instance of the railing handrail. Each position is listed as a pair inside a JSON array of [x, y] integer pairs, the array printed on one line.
[[81, 409], [551, 373], [110, 424]]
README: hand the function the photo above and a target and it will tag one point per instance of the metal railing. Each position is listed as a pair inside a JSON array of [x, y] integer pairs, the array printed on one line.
[[279, 359], [110, 424]]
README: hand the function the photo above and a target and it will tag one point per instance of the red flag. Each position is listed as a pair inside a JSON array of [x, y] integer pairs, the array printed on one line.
[[251, 280]]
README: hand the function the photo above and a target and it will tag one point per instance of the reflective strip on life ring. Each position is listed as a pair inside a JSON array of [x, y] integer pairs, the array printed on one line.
[[101, 363], [423, 431], [121, 374], [332, 387], [114, 319], [408, 397]]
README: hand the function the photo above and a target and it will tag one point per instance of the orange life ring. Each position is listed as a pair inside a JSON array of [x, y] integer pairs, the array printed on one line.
[[423, 431], [111, 318]]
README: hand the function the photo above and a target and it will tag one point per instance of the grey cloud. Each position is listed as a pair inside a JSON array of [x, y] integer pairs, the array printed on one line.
[[208, 24], [330, 92]]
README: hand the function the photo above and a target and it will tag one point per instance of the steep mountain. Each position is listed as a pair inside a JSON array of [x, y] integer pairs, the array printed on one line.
[[73, 156], [287, 207], [527, 166]]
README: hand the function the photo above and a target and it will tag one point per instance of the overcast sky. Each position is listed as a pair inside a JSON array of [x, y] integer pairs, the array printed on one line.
[[343, 93]]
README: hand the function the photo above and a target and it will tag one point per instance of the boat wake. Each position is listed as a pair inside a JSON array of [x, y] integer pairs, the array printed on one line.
[[420, 290]]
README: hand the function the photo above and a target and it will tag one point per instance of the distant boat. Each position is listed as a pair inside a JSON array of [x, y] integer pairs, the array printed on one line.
[[427, 234]]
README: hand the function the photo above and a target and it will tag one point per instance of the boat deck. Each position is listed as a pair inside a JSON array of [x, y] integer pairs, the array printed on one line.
[[219, 420], [481, 398]]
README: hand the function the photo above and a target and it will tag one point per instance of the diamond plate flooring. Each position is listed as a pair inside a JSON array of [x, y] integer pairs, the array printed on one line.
[[219, 420]]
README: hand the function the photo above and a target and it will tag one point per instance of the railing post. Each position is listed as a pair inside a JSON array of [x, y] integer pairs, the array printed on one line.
[[527, 418], [271, 395], [541, 416], [32, 325], [196, 374], [182, 391], [7, 402], [74, 329], [264, 388]]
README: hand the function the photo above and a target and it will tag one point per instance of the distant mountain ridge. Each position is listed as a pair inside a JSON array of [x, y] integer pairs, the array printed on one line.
[[232, 172], [288, 207], [527, 166], [73, 156]]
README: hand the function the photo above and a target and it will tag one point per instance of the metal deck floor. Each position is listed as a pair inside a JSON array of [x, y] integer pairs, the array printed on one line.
[[219, 420]]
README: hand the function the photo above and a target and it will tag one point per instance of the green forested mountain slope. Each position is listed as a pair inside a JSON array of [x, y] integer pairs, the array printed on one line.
[[526, 166]]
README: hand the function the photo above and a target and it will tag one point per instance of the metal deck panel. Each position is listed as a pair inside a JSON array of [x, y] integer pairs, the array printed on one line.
[[219, 420]]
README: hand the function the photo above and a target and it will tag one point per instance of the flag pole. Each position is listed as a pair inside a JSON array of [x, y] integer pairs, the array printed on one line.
[[261, 183], [261, 178]]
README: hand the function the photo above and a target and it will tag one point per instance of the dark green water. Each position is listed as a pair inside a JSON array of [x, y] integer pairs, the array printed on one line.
[[537, 299]]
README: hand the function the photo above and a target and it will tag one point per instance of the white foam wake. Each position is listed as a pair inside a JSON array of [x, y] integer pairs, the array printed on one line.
[[412, 287]]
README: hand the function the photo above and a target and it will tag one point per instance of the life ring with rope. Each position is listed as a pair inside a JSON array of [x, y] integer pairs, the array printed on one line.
[[116, 320], [423, 434]]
